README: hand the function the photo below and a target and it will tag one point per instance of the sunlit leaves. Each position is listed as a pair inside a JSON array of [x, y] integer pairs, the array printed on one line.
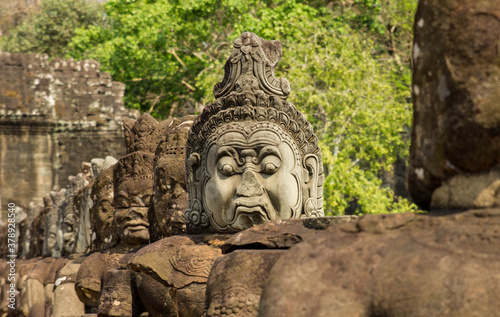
[[51, 29]]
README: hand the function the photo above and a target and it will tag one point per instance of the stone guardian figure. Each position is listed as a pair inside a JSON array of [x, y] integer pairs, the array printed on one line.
[[251, 156]]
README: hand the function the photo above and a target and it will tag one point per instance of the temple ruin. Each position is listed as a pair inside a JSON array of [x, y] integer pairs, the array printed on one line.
[[221, 214], [53, 116]]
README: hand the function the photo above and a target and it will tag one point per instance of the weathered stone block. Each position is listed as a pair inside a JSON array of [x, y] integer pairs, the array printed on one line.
[[392, 265]]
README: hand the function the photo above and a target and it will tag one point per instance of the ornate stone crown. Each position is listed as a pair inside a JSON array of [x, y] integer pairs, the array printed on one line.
[[142, 134], [249, 92], [141, 139], [136, 165]]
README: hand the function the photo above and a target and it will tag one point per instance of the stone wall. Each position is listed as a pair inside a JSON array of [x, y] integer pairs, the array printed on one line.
[[54, 115]]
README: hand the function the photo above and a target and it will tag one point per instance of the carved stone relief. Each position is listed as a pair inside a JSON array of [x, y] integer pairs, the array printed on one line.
[[122, 196]]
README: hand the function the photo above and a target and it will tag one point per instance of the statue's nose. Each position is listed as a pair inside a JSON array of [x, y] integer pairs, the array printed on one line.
[[138, 212], [249, 185]]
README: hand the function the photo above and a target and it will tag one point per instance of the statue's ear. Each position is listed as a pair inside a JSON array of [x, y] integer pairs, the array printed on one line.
[[311, 165], [192, 175], [193, 167]]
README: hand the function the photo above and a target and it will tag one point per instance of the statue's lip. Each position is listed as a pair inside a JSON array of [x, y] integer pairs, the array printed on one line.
[[137, 225], [250, 210], [249, 202], [249, 206]]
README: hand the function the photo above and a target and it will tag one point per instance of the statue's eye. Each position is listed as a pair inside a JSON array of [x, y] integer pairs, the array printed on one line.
[[227, 169], [270, 168], [146, 199], [106, 206], [123, 203]]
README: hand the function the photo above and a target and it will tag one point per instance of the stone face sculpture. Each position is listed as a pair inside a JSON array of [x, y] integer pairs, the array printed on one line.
[[34, 210], [132, 190], [133, 187], [251, 156], [102, 211], [83, 203], [133, 180], [37, 236], [166, 214], [51, 246]]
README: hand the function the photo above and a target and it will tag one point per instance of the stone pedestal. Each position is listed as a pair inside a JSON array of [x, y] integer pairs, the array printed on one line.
[[117, 297], [237, 280]]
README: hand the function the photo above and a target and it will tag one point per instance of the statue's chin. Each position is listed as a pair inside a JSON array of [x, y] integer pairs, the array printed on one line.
[[136, 237]]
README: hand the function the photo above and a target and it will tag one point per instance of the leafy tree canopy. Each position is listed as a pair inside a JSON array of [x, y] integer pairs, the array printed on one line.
[[347, 63], [50, 29]]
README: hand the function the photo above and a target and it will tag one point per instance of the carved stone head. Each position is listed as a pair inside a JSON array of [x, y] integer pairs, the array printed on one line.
[[51, 245], [133, 180], [169, 177], [251, 156], [102, 211], [37, 236]]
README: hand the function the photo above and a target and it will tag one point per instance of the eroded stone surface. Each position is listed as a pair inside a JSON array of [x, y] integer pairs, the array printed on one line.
[[177, 261], [456, 75], [236, 282], [117, 297], [478, 190], [392, 265], [238, 277], [66, 301], [182, 263], [90, 274], [281, 234]]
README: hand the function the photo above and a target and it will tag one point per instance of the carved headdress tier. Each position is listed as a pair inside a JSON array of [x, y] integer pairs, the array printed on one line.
[[251, 68], [142, 134], [136, 165], [251, 156]]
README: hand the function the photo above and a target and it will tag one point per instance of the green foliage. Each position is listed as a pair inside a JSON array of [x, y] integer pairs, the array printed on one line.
[[348, 63], [359, 112], [51, 29]]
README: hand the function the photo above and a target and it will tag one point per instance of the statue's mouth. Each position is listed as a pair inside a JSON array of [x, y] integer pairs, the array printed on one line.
[[245, 212], [137, 225]]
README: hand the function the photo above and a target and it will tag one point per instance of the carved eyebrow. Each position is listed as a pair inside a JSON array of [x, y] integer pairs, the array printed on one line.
[[269, 150], [227, 151], [123, 194]]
